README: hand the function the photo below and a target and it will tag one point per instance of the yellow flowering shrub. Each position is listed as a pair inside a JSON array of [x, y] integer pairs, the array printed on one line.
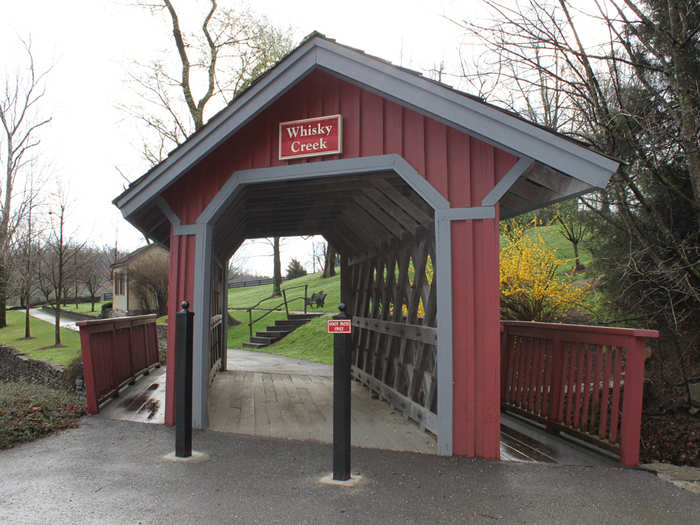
[[531, 287]]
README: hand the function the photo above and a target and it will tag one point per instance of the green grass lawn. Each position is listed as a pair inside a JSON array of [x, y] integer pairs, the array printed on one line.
[[239, 333], [40, 346], [309, 342], [243, 297], [565, 250], [84, 308]]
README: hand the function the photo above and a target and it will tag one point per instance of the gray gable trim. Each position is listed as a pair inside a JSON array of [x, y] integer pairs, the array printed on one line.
[[475, 118], [356, 166], [215, 132], [507, 181], [471, 116]]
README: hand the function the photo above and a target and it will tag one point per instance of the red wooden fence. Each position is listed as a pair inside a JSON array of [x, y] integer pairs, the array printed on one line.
[[585, 380], [114, 352]]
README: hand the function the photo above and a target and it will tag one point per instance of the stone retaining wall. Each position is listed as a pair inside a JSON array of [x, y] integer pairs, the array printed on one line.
[[15, 366]]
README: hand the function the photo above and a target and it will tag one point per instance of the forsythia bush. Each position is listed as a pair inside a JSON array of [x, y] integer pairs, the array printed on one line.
[[531, 288]]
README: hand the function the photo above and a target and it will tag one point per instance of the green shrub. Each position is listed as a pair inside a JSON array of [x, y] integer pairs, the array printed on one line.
[[29, 411]]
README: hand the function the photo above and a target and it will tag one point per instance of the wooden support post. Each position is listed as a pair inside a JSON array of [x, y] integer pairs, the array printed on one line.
[[630, 427]]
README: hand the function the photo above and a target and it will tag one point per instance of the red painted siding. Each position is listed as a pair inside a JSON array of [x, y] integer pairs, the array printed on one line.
[[372, 125], [460, 167], [180, 288]]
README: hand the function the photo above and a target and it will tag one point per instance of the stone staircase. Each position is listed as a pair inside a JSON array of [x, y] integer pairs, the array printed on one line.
[[279, 330]]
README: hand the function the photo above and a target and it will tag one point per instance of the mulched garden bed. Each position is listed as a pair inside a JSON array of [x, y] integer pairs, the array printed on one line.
[[29, 411], [670, 434]]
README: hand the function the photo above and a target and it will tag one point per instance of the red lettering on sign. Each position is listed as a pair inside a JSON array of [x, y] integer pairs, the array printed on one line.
[[311, 137], [339, 326]]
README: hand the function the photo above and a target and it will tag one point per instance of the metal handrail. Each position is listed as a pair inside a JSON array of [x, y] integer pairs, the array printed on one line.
[[285, 302]]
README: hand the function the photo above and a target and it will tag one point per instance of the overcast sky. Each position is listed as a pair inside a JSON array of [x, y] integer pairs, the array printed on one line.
[[91, 44]]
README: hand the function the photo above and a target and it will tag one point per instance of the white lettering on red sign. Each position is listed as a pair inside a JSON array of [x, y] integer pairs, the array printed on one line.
[[339, 326], [311, 137]]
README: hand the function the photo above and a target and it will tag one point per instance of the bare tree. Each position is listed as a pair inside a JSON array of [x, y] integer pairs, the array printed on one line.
[[277, 267], [20, 99], [329, 261], [635, 95], [59, 251], [573, 227], [95, 270], [230, 50], [25, 268], [148, 280]]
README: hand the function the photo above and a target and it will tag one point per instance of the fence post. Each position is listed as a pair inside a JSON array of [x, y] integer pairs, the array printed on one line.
[[630, 428], [250, 322], [286, 307], [342, 346], [88, 370], [306, 295], [556, 390], [183, 382]]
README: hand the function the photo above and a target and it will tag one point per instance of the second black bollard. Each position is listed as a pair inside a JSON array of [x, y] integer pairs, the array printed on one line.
[[183, 381], [342, 348]]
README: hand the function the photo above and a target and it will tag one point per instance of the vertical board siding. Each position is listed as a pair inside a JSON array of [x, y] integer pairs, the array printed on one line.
[[114, 351], [372, 125], [180, 288]]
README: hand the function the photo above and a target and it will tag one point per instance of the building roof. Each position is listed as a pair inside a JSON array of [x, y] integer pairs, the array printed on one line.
[[572, 167], [130, 256]]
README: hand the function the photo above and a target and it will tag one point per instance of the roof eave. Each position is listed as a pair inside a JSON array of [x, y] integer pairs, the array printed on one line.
[[475, 118]]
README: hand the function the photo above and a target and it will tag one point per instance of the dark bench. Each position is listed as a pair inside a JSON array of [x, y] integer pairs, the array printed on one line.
[[317, 299]]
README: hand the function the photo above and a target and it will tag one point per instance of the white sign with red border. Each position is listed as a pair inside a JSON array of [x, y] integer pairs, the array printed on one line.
[[311, 137], [339, 326]]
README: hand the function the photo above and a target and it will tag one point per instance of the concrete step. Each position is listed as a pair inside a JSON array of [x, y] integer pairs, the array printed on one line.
[[254, 345], [266, 340], [291, 323], [278, 334], [305, 317]]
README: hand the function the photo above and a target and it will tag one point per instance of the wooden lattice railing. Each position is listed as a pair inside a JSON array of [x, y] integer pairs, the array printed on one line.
[[584, 380], [394, 336]]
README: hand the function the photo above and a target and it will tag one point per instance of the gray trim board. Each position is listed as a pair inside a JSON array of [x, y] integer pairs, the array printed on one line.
[[445, 365], [466, 214], [500, 189], [355, 166], [476, 118], [462, 112], [200, 360]]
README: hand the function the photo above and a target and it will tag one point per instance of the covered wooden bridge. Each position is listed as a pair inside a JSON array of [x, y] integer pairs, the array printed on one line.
[[394, 170]]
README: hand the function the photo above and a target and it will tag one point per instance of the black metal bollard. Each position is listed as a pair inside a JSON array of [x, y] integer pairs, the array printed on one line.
[[342, 348], [183, 381]]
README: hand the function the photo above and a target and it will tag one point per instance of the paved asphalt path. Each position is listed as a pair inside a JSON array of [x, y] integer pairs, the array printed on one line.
[[114, 472]]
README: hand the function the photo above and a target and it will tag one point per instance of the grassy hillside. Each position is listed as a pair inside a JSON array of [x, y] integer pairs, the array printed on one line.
[[40, 346], [309, 342], [564, 248], [312, 339], [239, 333], [243, 297]]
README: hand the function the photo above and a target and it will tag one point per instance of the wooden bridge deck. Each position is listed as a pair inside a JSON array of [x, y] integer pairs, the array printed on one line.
[[271, 396]]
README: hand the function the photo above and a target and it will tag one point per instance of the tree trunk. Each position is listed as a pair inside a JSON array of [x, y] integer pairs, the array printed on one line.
[[3, 296], [277, 272], [329, 264]]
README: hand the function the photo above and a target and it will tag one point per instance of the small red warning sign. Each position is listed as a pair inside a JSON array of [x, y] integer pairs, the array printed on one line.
[[339, 326]]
